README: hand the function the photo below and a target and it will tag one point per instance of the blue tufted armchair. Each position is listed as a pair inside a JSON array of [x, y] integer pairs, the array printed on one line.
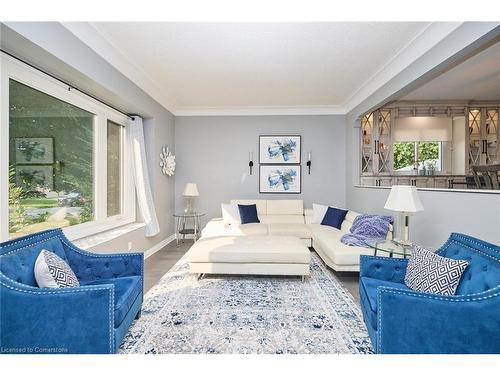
[[400, 320], [92, 318]]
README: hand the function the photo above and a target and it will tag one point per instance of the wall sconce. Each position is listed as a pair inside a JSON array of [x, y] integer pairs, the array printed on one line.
[[309, 161], [250, 162]]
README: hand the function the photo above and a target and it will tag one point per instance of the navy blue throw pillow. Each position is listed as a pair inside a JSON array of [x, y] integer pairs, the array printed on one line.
[[334, 217], [248, 213]]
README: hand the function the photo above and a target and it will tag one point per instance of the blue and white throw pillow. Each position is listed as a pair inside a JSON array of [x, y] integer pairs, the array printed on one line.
[[432, 273], [53, 272]]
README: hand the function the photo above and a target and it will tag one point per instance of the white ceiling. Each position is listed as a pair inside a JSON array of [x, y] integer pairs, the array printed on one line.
[[478, 78], [211, 68]]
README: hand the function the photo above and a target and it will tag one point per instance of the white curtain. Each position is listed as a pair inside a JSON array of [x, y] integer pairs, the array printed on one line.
[[141, 177]]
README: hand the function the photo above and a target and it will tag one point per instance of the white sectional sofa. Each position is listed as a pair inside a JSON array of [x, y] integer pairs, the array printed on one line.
[[288, 218]]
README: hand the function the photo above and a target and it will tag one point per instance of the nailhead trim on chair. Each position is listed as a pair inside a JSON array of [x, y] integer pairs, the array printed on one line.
[[451, 242], [80, 290], [58, 234], [476, 242], [62, 237], [383, 259], [487, 295], [112, 320], [491, 293]]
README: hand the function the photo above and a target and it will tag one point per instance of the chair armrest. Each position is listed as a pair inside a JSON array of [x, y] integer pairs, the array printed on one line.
[[383, 268], [66, 320], [90, 266], [414, 322]]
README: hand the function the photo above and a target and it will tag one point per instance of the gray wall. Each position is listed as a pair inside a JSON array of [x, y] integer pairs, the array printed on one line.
[[474, 214], [444, 212], [52, 47], [213, 152]]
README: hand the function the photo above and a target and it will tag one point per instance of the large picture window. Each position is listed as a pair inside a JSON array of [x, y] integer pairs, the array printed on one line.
[[51, 148], [65, 165]]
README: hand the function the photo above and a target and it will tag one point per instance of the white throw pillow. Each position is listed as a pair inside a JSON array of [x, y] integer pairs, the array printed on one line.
[[230, 214], [319, 212], [53, 272]]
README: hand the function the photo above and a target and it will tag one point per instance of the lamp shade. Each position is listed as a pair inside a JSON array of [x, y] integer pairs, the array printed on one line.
[[191, 190], [403, 199]]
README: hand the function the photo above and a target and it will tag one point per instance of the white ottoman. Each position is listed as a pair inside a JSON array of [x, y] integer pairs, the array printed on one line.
[[250, 255]]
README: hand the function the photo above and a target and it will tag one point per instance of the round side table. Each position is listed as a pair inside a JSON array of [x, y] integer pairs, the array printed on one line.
[[180, 225], [390, 247]]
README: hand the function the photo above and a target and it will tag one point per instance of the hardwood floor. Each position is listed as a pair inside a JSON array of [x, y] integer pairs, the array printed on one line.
[[159, 263]]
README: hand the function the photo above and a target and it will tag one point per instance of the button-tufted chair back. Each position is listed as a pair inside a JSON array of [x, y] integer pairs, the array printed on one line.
[[483, 272], [18, 256]]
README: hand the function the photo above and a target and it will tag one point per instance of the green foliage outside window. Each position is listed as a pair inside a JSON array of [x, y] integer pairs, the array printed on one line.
[[18, 216], [428, 151], [404, 153]]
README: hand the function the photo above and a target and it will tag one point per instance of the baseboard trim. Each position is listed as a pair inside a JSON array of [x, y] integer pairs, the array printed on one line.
[[160, 245]]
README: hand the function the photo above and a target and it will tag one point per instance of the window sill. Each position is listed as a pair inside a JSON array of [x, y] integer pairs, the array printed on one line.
[[99, 238]]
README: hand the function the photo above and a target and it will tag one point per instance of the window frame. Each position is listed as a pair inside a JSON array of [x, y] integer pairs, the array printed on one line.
[[416, 155], [13, 69]]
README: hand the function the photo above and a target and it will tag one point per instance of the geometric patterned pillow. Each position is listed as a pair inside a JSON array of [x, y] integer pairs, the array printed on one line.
[[432, 273], [53, 272]]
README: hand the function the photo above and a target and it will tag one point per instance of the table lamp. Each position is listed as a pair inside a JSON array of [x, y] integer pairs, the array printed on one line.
[[190, 194], [405, 201]]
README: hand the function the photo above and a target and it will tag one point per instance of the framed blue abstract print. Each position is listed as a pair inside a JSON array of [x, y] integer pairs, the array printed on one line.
[[279, 149], [283, 179]]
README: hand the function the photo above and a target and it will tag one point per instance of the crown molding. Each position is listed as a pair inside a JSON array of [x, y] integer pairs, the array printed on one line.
[[259, 111], [89, 35], [415, 48]]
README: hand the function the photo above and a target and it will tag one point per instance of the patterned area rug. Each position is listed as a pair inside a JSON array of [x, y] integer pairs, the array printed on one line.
[[248, 314]]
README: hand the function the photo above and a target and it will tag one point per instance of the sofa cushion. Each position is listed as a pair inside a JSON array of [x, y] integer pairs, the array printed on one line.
[[281, 219], [328, 239], [249, 249], [290, 229], [334, 217], [252, 229], [308, 215], [351, 215], [230, 213], [216, 227], [432, 273], [318, 213], [285, 207], [368, 293], [127, 288], [260, 203], [248, 213], [53, 272]]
